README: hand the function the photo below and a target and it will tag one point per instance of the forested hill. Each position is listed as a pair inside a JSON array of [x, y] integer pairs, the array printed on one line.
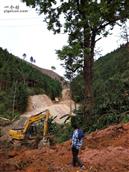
[[52, 75], [113, 64], [111, 80], [18, 80], [110, 88]]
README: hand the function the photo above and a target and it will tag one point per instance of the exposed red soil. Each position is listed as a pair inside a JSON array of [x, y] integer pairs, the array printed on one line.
[[104, 151]]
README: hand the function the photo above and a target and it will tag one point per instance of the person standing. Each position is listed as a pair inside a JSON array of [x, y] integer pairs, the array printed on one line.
[[77, 139]]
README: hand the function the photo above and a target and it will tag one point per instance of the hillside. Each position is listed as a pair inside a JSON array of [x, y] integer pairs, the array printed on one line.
[[110, 88], [52, 74], [104, 151], [111, 81], [20, 79]]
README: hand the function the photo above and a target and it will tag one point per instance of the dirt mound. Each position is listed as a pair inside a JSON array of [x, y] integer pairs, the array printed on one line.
[[38, 101], [59, 110], [66, 94], [105, 151], [56, 110]]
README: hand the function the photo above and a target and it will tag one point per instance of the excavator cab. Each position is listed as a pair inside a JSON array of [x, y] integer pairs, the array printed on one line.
[[31, 127], [35, 129], [17, 131]]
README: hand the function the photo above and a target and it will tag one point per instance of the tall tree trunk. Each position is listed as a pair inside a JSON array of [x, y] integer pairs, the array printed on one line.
[[88, 71], [89, 44]]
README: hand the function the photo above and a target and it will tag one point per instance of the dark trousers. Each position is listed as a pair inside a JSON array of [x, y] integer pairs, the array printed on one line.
[[76, 160]]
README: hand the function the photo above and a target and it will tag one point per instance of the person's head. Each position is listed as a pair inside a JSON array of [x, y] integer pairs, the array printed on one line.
[[75, 126]]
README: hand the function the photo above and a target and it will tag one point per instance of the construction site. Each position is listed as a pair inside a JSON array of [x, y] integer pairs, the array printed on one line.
[[105, 150], [74, 115]]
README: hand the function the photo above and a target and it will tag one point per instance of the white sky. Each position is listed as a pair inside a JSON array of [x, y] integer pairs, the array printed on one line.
[[25, 32]]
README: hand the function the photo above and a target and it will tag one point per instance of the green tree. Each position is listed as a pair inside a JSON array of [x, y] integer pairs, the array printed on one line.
[[31, 59], [53, 67], [84, 21], [125, 34], [24, 56], [21, 97]]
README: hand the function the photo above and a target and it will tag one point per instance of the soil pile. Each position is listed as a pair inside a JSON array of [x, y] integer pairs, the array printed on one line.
[[104, 151], [39, 103], [66, 94]]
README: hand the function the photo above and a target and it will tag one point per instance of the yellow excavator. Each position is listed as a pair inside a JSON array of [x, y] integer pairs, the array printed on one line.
[[32, 127]]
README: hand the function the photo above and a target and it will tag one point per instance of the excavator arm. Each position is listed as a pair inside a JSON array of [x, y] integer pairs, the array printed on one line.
[[20, 133]]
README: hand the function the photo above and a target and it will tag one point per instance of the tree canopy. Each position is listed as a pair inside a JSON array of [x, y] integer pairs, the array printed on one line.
[[84, 21]]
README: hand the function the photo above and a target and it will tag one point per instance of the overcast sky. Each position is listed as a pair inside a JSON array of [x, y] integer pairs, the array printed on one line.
[[24, 31]]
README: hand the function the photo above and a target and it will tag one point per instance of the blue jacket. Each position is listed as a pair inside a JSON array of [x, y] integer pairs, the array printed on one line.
[[77, 138]]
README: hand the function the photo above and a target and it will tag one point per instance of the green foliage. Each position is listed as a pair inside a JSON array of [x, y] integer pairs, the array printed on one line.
[[104, 121], [18, 80], [2, 108], [111, 91], [83, 21], [72, 57], [125, 118], [77, 86], [21, 97], [111, 83], [61, 132]]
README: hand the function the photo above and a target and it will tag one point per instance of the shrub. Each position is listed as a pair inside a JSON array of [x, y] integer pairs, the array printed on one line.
[[61, 132]]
